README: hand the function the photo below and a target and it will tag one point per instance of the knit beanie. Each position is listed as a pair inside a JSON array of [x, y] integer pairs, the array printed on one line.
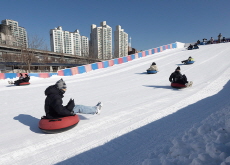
[[178, 68], [61, 84]]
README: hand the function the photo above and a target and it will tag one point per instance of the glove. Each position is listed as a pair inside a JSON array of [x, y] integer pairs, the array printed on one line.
[[70, 105], [72, 113]]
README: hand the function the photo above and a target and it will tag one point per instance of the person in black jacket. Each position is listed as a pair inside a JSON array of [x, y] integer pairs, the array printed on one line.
[[26, 79], [54, 107], [190, 46], [21, 79], [53, 101], [177, 77]]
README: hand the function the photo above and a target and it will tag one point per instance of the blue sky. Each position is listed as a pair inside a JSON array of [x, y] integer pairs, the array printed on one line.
[[150, 23]]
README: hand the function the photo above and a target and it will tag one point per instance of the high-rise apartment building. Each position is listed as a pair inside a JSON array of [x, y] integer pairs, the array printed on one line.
[[84, 46], [101, 41], [120, 42], [68, 42], [19, 33]]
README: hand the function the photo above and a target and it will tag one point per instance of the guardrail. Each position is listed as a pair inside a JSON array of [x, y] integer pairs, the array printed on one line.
[[98, 65]]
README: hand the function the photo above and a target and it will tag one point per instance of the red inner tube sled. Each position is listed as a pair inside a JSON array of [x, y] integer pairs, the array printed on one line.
[[24, 83], [58, 125], [177, 85]]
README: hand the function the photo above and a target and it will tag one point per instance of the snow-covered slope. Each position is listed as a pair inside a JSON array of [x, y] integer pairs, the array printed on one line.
[[143, 120]]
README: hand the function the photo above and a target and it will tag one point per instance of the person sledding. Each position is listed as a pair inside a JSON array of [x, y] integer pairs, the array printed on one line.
[[177, 77], [195, 46], [153, 67], [190, 47], [21, 79], [190, 59], [54, 107]]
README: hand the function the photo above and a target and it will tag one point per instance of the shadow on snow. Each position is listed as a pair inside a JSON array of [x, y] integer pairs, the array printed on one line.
[[123, 149]]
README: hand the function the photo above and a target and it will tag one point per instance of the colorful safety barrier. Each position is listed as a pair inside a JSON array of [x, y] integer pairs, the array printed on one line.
[[94, 66]]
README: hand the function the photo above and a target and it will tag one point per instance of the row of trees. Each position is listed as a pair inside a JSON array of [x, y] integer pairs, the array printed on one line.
[[28, 56]]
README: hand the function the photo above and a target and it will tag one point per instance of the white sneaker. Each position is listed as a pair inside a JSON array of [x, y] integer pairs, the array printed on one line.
[[187, 84], [10, 82], [190, 83], [99, 105]]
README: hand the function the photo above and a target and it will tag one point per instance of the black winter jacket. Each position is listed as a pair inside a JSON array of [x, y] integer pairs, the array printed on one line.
[[175, 76], [53, 103], [26, 79]]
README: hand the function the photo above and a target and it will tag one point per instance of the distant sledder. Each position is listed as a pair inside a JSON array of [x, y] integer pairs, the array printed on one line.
[[21, 81], [178, 80], [195, 46], [191, 47], [153, 69], [190, 60]]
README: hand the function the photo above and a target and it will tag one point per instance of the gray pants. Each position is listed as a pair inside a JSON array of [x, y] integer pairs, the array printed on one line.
[[85, 109]]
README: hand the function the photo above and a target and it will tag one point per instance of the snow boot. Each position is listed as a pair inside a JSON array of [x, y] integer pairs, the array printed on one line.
[[99, 105]]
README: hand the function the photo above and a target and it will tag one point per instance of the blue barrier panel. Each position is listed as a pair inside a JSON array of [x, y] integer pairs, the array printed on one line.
[[81, 69], [116, 61], [52, 74], [146, 52], [10, 75], [158, 49], [153, 51], [67, 72], [139, 54], [174, 45], [125, 59], [34, 74], [132, 56], [105, 64], [94, 66], [164, 47]]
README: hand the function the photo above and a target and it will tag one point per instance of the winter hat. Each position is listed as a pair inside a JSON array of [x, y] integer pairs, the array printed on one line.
[[61, 84], [178, 68], [153, 63]]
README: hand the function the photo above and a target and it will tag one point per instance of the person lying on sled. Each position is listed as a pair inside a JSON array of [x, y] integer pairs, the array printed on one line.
[[189, 59]]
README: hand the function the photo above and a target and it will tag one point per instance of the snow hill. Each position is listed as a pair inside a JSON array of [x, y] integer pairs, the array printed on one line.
[[143, 121]]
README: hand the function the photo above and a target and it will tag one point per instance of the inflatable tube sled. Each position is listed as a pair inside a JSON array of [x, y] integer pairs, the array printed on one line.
[[189, 62], [23, 83], [196, 47], [151, 71], [177, 85], [58, 125], [189, 48]]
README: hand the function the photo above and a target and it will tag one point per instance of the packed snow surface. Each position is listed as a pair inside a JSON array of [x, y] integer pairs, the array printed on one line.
[[143, 120]]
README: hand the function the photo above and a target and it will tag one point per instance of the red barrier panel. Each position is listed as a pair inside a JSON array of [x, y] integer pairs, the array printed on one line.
[[166, 46], [155, 50], [2, 75], [170, 46], [111, 62], [136, 55], [120, 60], [88, 68], [60, 73], [143, 54], [74, 70], [43, 75], [100, 65], [129, 58]]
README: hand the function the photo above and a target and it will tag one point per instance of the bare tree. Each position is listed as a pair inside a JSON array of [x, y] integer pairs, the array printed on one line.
[[28, 54]]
